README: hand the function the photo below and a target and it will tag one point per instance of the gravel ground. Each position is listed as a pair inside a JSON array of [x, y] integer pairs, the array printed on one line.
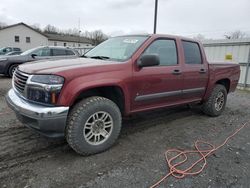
[[28, 159]]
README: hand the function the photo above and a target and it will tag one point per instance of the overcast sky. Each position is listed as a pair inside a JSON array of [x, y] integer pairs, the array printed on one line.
[[211, 18]]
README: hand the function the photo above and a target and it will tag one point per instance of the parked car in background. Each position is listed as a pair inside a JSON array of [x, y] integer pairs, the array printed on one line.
[[8, 64], [14, 53], [5, 50]]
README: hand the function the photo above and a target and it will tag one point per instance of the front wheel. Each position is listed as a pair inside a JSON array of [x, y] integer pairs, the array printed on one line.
[[216, 103], [93, 125], [12, 70]]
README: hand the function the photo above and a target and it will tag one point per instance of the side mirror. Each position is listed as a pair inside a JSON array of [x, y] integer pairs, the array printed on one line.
[[148, 60], [33, 55]]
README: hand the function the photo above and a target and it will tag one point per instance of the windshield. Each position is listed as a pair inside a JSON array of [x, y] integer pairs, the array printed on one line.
[[29, 51], [3, 49], [117, 48]]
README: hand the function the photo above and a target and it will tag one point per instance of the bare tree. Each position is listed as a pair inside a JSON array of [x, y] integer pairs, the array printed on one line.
[[51, 29], [36, 27], [235, 35], [199, 37], [96, 36], [73, 32]]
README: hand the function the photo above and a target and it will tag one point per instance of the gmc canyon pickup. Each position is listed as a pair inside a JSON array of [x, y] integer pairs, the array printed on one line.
[[84, 99]]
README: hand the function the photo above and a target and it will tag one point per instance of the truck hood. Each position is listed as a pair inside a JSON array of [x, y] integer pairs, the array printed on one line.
[[63, 65]]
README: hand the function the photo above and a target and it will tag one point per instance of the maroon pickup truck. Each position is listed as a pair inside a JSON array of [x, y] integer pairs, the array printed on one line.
[[85, 99]]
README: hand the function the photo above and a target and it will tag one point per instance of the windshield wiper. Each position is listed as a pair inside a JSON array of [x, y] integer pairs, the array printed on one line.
[[100, 57]]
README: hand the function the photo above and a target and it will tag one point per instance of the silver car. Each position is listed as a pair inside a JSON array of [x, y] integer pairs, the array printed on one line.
[[8, 64]]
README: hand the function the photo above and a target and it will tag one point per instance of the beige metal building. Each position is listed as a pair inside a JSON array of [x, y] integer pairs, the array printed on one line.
[[237, 50]]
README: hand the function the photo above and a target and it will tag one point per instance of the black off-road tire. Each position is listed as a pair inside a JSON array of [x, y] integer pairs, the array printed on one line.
[[79, 115], [11, 70], [208, 107]]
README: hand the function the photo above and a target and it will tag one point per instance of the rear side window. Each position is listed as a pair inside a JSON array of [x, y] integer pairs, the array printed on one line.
[[17, 49], [69, 52], [59, 52], [166, 49], [191, 52]]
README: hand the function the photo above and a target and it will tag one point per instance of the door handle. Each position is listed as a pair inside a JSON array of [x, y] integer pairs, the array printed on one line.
[[176, 72], [202, 71]]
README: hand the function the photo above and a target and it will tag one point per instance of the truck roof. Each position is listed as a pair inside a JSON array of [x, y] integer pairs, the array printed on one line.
[[159, 36]]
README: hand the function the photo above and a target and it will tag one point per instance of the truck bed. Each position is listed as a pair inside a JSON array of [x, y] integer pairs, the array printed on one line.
[[229, 71]]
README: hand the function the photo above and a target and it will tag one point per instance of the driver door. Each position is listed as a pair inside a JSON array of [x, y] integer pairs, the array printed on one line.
[[40, 54], [160, 85]]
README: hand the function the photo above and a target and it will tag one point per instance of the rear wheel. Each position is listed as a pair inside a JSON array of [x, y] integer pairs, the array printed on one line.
[[216, 103], [12, 70], [93, 125]]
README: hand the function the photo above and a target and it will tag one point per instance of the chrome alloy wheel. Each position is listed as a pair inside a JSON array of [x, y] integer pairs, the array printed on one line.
[[219, 101], [98, 128]]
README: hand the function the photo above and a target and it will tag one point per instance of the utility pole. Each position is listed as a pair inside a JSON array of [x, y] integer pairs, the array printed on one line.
[[79, 30], [155, 19]]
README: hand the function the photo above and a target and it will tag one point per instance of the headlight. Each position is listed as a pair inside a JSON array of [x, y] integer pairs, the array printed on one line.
[[44, 88], [47, 79]]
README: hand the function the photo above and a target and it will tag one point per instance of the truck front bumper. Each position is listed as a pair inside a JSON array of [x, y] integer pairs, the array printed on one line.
[[49, 121]]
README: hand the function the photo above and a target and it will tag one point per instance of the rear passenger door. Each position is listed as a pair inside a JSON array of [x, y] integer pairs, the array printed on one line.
[[195, 71], [58, 53]]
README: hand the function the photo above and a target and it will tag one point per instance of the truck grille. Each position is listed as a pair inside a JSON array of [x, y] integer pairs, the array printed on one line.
[[19, 81]]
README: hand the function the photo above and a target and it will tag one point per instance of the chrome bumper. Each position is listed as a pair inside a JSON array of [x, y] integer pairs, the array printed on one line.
[[50, 121]]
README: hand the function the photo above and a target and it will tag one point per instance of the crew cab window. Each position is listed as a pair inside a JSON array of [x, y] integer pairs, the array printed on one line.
[[59, 52], [166, 49], [192, 52]]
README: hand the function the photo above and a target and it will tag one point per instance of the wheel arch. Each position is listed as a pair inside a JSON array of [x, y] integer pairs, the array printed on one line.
[[112, 92], [225, 82]]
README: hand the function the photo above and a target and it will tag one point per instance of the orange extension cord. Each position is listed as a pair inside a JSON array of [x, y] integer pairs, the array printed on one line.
[[4, 113], [178, 173]]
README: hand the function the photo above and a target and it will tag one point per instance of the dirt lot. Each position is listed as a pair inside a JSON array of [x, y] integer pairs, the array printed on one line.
[[137, 160]]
